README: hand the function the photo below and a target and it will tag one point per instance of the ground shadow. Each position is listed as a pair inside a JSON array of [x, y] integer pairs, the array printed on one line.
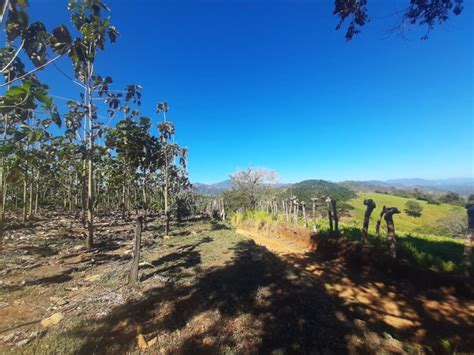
[[403, 300], [260, 303]]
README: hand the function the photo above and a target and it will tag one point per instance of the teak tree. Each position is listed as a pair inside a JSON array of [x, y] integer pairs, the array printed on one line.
[[423, 12]]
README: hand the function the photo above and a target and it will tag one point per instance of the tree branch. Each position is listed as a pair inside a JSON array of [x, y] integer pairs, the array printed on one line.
[[16, 55], [32, 71]]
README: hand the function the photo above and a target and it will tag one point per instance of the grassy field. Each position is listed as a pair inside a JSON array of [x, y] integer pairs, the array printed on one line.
[[419, 239], [427, 223]]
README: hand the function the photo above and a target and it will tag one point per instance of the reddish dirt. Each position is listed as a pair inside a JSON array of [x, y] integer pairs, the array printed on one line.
[[416, 306]]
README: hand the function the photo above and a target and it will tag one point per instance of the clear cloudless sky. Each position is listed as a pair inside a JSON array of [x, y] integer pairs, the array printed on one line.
[[273, 84]]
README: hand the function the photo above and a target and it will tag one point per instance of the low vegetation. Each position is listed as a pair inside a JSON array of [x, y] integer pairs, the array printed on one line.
[[427, 223]]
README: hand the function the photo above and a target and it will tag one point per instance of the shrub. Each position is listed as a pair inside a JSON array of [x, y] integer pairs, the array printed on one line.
[[413, 209]]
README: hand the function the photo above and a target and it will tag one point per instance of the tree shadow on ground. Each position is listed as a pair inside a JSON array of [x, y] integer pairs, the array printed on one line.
[[255, 303], [39, 250], [410, 303], [217, 226], [424, 252], [186, 257]]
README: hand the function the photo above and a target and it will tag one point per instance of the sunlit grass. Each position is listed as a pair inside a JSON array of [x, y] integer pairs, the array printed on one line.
[[441, 253]]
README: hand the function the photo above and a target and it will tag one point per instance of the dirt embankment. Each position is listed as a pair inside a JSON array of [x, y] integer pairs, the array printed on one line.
[[418, 306], [279, 237]]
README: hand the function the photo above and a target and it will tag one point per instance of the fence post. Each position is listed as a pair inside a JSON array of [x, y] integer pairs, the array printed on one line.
[[133, 276]]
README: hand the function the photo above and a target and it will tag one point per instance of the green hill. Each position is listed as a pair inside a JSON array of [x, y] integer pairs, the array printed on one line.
[[427, 223], [307, 189]]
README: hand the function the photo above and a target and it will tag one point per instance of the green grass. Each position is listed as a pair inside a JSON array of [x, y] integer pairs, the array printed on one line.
[[418, 239], [426, 224]]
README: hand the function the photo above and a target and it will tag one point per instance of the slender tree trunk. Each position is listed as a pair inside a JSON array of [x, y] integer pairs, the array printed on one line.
[[167, 212], [30, 207], [37, 198], [3, 186], [4, 200], [133, 275], [69, 192], [84, 191], [3, 177], [24, 199], [145, 200], [90, 158]]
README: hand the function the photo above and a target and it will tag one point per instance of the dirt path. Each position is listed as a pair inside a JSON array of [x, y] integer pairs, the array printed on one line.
[[437, 316], [278, 246]]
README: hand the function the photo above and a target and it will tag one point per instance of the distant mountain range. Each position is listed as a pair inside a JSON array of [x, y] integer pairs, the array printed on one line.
[[212, 189], [463, 186]]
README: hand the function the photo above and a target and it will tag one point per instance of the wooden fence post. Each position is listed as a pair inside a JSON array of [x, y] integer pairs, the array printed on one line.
[[328, 203], [335, 216], [389, 212], [133, 276], [315, 229], [303, 210], [365, 228], [468, 243]]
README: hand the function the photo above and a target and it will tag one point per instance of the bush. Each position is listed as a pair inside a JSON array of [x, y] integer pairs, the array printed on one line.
[[413, 209]]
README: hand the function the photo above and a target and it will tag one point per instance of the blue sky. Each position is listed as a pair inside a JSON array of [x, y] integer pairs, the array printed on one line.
[[273, 84]]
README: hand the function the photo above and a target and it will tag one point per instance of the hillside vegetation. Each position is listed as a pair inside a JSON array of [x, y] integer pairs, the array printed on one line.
[[307, 189], [427, 223]]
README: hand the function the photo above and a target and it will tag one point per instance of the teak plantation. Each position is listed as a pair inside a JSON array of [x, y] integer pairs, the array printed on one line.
[[107, 247]]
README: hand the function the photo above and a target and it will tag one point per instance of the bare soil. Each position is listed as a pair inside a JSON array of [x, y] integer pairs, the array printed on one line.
[[207, 289]]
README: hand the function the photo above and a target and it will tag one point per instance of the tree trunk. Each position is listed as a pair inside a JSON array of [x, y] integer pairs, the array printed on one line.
[[24, 199], [3, 200], [365, 228], [90, 158], [3, 193], [30, 207], [167, 214], [37, 198], [84, 190], [145, 200], [133, 275]]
